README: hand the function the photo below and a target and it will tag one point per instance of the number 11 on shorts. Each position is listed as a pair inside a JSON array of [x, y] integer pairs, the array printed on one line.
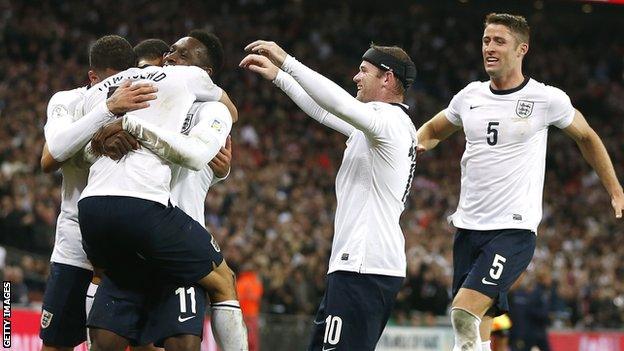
[[191, 292]]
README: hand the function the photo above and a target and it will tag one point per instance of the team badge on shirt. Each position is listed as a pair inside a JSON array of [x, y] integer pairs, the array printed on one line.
[[186, 126], [46, 319], [524, 108], [58, 111], [217, 125]]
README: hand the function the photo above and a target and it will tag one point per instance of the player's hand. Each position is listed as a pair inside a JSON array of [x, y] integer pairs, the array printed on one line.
[[119, 145], [260, 65], [618, 205], [268, 49], [110, 129], [420, 149], [220, 164], [129, 97]]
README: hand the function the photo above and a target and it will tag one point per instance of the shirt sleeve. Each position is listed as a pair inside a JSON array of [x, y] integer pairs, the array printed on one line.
[[216, 179], [299, 96], [201, 85], [192, 151], [560, 110], [453, 111], [65, 136], [335, 100]]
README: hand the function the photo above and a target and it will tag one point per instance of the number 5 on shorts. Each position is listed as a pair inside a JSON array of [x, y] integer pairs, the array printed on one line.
[[497, 266], [333, 328]]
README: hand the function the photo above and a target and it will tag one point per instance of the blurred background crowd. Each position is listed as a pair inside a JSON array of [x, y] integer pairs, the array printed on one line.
[[273, 216]]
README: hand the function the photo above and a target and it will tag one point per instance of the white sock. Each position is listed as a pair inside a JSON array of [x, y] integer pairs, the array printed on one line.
[[228, 327], [88, 304], [485, 345], [466, 330]]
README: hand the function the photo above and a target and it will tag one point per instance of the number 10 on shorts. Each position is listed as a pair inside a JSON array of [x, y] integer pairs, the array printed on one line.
[[333, 328]]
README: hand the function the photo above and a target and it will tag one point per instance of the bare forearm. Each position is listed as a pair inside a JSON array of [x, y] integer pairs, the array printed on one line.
[[48, 163], [435, 130], [596, 155], [426, 137]]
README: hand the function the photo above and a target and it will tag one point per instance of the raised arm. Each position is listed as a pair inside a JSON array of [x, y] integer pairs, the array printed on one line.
[[299, 96], [596, 155], [435, 130], [327, 94]]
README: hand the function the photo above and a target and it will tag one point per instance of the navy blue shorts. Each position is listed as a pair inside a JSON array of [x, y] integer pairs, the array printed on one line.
[[490, 261], [123, 311], [354, 311], [148, 314], [176, 310], [122, 232], [63, 317]]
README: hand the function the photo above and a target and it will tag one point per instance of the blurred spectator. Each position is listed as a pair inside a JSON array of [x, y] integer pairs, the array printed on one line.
[[19, 291], [249, 291]]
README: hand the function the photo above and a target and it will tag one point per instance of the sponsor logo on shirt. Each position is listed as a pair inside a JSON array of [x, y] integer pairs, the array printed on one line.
[[345, 257], [524, 108], [517, 217]]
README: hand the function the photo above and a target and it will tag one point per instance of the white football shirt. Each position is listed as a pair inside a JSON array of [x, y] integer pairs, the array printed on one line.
[[372, 184], [141, 173], [68, 240], [374, 178], [502, 169], [189, 187]]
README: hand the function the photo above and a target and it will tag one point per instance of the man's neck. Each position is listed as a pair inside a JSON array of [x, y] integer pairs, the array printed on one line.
[[391, 98], [506, 82]]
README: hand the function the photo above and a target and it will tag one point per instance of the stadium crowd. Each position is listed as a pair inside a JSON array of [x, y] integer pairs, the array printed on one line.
[[274, 213]]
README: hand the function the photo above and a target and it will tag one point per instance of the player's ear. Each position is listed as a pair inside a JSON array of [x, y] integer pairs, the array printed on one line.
[[388, 78], [523, 48], [93, 77]]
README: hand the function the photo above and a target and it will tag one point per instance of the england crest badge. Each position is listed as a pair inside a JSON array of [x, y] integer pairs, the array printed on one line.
[[524, 108], [46, 319]]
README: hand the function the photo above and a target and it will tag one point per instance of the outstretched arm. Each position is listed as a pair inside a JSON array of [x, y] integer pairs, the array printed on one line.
[[327, 94], [299, 96], [596, 155]]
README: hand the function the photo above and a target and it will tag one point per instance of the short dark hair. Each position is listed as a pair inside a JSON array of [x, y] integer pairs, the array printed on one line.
[[151, 49], [111, 51], [517, 25], [402, 56], [213, 48]]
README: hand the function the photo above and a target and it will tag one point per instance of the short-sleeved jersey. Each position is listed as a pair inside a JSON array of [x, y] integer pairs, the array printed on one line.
[[189, 187], [502, 169], [371, 187], [68, 241], [141, 173]]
